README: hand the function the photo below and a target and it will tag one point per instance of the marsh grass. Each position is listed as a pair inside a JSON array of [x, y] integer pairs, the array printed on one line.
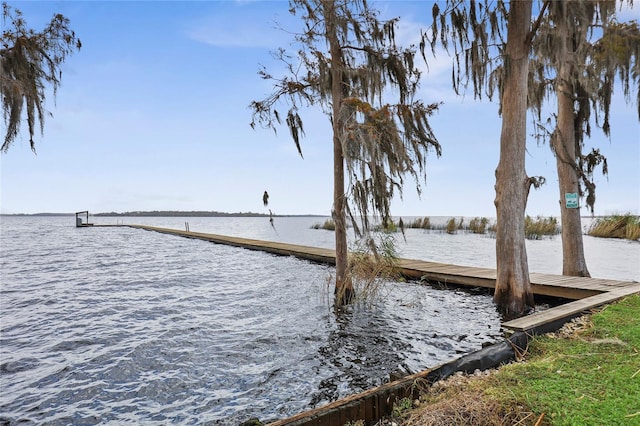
[[328, 225], [626, 226], [535, 229], [372, 262], [478, 225], [454, 226], [389, 226], [420, 223], [492, 229], [586, 373], [451, 226]]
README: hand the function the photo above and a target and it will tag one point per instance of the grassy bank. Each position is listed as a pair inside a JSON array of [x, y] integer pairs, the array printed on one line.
[[588, 373]]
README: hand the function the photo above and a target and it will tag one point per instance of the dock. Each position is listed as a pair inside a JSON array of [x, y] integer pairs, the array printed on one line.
[[82, 223], [584, 293]]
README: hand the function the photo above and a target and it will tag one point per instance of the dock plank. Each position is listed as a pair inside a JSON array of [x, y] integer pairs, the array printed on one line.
[[569, 309]]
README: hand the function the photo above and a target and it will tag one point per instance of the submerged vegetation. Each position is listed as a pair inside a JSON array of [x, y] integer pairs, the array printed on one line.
[[451, 226], [388, 226], [420, 223], [586, 373], [626, 226], [478, 225], [534, 229], [371, 263]]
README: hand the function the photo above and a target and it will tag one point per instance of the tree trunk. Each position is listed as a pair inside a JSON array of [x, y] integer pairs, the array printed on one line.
[[344, 287], [564, 145], [344, 293], [513, 294]]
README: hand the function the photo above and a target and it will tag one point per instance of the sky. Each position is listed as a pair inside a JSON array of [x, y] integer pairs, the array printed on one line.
[[153, 114]]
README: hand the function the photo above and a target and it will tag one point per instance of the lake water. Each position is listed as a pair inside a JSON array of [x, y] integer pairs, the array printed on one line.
[[119, 325]]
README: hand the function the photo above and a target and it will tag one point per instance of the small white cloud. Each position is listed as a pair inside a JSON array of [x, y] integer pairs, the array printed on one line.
[[247, 26], [230, 35]]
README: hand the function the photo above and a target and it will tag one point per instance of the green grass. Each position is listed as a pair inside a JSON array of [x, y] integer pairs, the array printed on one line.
[[401, 407], [593, 378], [589, 375], [626, 226]]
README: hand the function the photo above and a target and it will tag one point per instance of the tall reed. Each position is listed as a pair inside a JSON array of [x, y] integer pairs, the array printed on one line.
[[625, 226], [478, 225], [452, 226], [389, 226], [420, 223], [372, 262], [535, 229], [328, 224]]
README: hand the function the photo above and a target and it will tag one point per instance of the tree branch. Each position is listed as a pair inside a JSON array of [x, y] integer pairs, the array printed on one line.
[[536, 25]]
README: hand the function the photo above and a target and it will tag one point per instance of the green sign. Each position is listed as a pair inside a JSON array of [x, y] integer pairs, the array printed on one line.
[[571, 200]]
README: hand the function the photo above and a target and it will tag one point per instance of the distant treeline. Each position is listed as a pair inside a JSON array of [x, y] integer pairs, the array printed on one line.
[[170, 213], [173, 213], [37, 214]]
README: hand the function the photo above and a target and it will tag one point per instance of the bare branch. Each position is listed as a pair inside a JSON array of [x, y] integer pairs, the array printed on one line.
[[536, 24]]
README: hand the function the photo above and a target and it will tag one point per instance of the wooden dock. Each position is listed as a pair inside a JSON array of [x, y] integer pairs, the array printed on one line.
[[585, 293]]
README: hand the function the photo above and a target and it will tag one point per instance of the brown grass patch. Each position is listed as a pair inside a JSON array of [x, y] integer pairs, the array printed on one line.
[[616, 226], [461, 400]]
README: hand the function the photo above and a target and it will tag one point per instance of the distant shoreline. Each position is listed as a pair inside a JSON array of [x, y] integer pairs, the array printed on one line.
[[166, 213], [203, 213]]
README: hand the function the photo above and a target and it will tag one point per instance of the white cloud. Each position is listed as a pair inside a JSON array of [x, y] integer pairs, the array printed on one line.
[[243, 27], [221, 34]]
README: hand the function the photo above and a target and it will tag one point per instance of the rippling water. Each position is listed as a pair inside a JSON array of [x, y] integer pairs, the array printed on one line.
[[118, 325]]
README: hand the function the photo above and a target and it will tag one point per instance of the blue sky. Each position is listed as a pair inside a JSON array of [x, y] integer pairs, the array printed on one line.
[[153, 114]]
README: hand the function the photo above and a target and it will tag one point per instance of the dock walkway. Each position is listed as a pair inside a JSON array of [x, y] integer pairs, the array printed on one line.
[[585, 293]]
